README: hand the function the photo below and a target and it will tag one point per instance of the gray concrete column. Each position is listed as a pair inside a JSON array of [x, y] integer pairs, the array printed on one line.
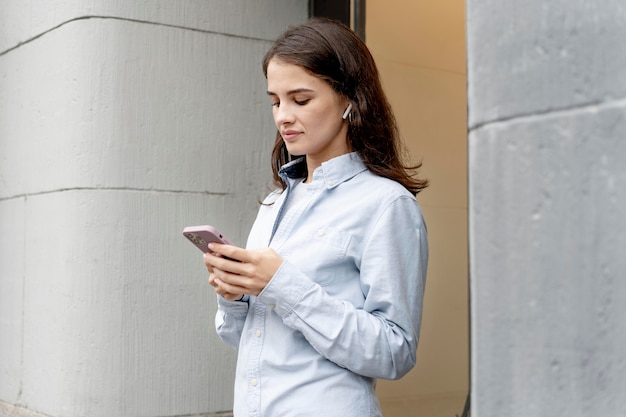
[[547, 143], [121, 123]]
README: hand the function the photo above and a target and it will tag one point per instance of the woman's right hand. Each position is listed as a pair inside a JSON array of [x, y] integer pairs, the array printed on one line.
[[236, 271]]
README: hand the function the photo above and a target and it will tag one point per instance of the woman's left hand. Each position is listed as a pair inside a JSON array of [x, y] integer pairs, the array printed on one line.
[[250, 275]]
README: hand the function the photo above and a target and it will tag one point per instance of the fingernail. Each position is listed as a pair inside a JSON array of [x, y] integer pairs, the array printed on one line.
[[211, 246]]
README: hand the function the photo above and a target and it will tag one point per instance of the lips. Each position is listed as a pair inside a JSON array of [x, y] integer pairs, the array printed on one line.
[[290, 135]]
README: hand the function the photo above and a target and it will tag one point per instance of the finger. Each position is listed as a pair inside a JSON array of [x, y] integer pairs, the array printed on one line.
[[212, 281], [229, 251], [228, 295], [234, 283], [205, 259], [225, 289], [232, 297], [224, 264], [230, 279], [217, 285]]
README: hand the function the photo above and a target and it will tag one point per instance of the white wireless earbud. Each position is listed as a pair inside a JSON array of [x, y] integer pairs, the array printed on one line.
[[347, 112]]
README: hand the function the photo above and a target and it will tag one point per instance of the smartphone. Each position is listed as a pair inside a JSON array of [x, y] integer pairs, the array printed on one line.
[[201, 236]]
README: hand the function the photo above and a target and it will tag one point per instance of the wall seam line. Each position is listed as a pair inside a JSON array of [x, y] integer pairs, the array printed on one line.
[[598, 105], [147, 22], [144, 190]]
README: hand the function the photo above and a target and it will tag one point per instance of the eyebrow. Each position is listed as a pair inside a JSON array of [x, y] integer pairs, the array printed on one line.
[[291, 92]]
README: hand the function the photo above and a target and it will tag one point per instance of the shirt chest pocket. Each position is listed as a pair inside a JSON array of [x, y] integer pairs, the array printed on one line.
[[325, 253]]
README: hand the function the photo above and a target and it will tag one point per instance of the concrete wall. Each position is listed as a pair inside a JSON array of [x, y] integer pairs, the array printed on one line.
[[547, 118], [121, 123]]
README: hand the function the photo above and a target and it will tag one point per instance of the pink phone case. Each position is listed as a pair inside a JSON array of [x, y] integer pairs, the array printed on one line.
[[201, 236]]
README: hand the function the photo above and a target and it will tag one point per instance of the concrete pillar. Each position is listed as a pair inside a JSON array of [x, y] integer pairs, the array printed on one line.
[[121, 123], [547, 119]]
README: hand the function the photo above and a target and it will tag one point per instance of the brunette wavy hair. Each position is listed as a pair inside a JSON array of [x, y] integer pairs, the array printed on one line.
[[332, 52]]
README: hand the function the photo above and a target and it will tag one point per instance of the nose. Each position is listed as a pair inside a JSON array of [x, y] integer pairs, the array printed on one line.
[[283, 115]]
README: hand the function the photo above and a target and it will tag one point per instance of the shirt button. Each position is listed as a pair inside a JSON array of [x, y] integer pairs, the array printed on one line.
[[253, 381], [320, 232], [330, 183], [258, 333]]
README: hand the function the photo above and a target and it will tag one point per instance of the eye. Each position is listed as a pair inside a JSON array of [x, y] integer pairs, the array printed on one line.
[[275, 103], [302, 102]]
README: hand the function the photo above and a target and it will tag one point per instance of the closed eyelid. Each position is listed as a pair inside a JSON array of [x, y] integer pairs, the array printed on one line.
[[300, 96]]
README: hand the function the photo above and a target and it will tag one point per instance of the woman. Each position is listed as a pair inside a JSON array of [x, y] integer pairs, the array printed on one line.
[[327, 297]]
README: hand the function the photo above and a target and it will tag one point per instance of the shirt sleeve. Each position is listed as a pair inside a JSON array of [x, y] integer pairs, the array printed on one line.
[[380, 339], [229, 319]]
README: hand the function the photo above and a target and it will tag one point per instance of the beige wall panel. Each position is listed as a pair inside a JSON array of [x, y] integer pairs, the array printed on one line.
[[426, 34], [420, 51], [431, 111], [442, 405]]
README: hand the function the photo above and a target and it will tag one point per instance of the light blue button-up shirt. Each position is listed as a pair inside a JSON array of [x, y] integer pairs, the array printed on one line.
[[345, 306]]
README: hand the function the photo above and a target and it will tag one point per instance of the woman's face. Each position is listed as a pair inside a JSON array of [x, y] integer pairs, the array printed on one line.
[[307, 113]]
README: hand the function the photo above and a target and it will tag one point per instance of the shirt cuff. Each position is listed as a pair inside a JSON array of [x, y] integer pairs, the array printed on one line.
[[285, 289]]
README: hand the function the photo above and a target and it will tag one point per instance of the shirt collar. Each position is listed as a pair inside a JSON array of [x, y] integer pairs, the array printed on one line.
[[331, 173]]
